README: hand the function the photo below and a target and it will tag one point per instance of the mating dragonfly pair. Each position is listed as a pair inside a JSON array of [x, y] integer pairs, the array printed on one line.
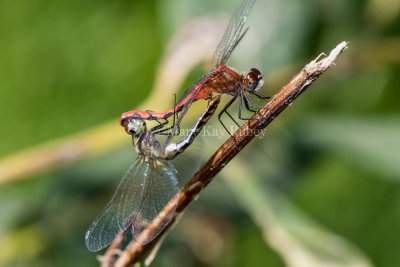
[[151, 181]]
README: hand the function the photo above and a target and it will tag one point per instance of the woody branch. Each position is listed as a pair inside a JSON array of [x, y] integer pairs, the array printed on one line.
[[281, 100]]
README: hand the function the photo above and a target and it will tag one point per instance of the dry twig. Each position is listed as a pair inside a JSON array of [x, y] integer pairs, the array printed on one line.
[[282, 99], [108, 259]]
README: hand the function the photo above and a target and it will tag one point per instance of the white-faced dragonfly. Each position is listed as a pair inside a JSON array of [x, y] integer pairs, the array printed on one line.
[[221, 79], [147, 186]]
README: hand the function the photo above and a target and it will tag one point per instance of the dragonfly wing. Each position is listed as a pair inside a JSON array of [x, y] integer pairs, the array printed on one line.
[[233, 33], [125, 201], [160, 186]]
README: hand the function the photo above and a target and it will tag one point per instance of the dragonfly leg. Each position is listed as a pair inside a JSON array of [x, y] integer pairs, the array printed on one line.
[[159, 129], [247, 103], [260, 96], [243, 98], [172, 131], [160, 124], [166, 131], [175, 123], [225, 110], [230, 116], [174, 126]]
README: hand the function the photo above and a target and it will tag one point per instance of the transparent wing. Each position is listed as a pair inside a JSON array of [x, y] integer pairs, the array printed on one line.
[[125, 201], [136, 195], [160, 186], [233, 34]]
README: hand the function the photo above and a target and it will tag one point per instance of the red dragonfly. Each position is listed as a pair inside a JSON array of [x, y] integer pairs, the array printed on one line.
[[221, 79]]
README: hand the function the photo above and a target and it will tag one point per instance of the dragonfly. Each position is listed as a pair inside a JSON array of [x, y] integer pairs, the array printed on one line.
[[147, 186], [221, 79]]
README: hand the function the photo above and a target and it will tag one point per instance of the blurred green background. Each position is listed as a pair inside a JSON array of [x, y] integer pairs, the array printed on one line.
[[321, 188]]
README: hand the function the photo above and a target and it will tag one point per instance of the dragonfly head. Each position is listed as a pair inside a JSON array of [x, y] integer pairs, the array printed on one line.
[[135, 127], [253, 80]]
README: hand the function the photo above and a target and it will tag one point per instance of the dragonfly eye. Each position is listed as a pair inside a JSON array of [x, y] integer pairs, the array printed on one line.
[[254, 80], [135, 127]]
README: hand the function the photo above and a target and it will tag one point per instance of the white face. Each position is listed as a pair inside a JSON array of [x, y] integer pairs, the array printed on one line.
[[254, 80], [135, 127], [259, 85]]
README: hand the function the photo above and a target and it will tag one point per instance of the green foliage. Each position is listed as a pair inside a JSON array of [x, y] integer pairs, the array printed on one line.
[[327, 167]]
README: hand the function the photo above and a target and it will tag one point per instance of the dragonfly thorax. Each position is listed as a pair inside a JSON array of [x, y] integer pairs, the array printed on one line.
[[253, 80], [148, 146]]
